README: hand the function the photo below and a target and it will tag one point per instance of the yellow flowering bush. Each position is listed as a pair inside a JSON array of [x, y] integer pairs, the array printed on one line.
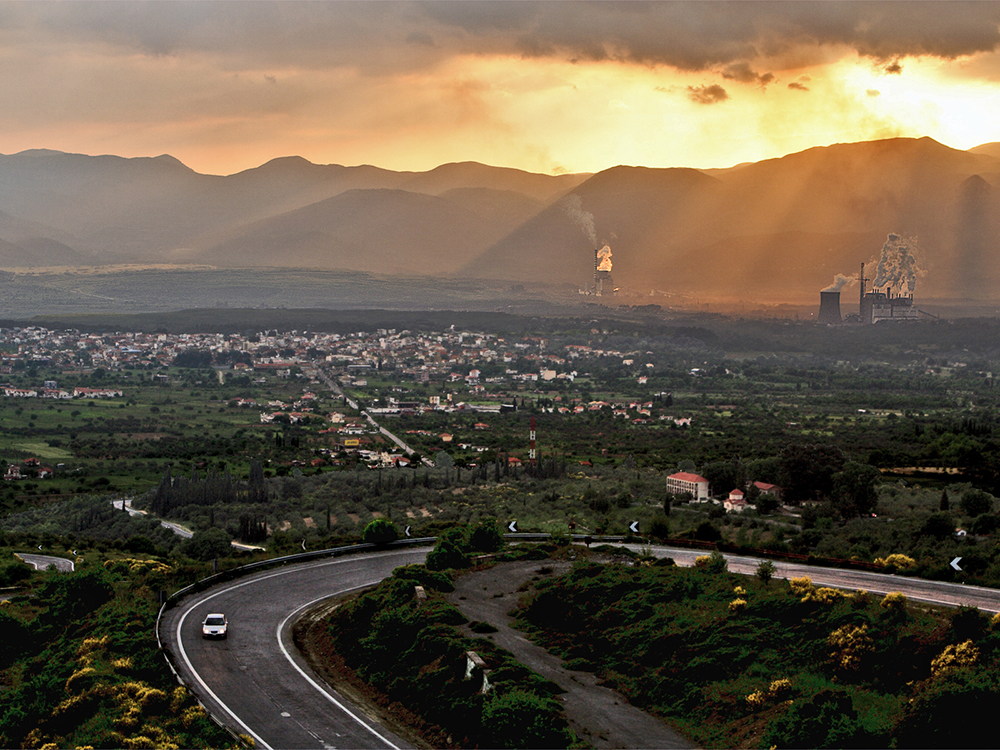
[[80, 679], [824, 595], [964, 654], [778, 690], [177, 698], [895, 601], [800, 586], [137, 565], [757, 699], [897, 561], [90, 645], [737, 605], [191, 715], [849, 643], [740, 591]]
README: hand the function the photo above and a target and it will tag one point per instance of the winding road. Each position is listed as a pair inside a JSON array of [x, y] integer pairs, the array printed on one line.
[[255, 681], [258, 684]]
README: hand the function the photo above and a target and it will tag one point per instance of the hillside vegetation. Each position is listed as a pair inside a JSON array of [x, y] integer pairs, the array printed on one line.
[[734, 661], [411, 651], [79, 662]]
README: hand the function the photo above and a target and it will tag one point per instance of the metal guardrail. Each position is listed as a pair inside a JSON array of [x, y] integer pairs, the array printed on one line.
[[277, 562], [254, 567]]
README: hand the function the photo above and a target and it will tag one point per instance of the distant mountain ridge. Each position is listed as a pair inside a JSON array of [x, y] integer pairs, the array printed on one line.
[[778, 230]]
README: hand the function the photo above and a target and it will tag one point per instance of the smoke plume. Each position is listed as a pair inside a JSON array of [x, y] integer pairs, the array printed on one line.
[[839, 282], [604, 259], [573, 206], [897, 268]]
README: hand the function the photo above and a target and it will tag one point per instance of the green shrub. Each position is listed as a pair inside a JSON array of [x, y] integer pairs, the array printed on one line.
[[953, 710], [447, 554], [486, 537], [519, 719], [422, 576], [828, 719], [13, 574], [380, 531]]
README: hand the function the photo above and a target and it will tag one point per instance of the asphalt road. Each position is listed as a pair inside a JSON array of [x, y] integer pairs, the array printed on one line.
[[255, 681], [42, 562], [935, 592]]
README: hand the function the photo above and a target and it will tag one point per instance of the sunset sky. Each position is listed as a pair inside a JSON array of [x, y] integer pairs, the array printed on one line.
[[550, 86]]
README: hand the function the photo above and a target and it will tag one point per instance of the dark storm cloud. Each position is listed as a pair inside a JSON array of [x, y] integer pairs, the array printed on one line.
[[743, 73], [798, 86], [695, 35], [893, 68], [709, 94], [699, 34]]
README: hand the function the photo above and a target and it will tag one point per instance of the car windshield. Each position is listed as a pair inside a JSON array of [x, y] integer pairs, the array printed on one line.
[[215, 620]]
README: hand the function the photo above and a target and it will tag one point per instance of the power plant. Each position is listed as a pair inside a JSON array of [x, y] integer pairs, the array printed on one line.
[[829, 308], [891, 295], [604, 285], [876, 306]]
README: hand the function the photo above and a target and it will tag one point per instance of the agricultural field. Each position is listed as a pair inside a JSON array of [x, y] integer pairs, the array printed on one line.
[[874, 457], [261, 438]]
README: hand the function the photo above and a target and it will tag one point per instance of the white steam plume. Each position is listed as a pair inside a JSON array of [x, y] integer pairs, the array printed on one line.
[[898, 268], [573, 206], [839, 282]]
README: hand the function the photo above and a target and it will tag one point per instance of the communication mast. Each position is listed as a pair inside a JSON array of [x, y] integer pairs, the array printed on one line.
[[531, 442]]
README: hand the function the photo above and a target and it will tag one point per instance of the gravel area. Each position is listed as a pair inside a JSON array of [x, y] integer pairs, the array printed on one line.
[[600, 716]]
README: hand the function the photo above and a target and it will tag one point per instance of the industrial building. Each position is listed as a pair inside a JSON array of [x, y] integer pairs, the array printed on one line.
[[604, 285], [877, 306], [874, 305]]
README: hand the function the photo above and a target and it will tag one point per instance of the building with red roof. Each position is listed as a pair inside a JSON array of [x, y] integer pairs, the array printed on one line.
[[686, 482]]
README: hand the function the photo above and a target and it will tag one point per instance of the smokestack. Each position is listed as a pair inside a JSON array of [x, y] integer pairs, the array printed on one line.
[[829, 308]]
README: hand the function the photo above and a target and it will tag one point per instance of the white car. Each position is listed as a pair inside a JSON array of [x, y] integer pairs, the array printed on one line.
[[215, 626]]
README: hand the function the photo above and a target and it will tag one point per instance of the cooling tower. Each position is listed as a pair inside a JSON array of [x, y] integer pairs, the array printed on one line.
[[829, 308]]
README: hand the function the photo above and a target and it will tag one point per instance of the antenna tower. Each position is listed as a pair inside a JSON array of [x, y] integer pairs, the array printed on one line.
[[531, 442]]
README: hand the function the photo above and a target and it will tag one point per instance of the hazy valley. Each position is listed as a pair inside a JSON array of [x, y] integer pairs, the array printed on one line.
[[757, 235]]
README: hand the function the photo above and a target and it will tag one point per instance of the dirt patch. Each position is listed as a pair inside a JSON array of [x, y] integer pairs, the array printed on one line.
[[310, 524], [600, 716], [354, 517]]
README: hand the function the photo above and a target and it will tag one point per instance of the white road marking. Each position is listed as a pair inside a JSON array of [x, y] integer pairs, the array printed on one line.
[[259, 741], [313, 682]]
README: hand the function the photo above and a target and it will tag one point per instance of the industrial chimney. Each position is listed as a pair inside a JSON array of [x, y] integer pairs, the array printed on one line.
[[829, 308]]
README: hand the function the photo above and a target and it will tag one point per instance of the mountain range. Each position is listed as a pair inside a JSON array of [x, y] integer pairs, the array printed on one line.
[[777, 230]]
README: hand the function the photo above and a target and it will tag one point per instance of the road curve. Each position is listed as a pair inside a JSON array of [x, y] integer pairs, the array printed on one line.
[[255, 681], [46, 562]]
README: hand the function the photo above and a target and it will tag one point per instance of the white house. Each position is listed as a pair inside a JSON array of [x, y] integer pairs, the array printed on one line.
[[694, 484]]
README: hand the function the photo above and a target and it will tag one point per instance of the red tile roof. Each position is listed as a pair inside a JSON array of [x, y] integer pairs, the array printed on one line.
[[686, 476]]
